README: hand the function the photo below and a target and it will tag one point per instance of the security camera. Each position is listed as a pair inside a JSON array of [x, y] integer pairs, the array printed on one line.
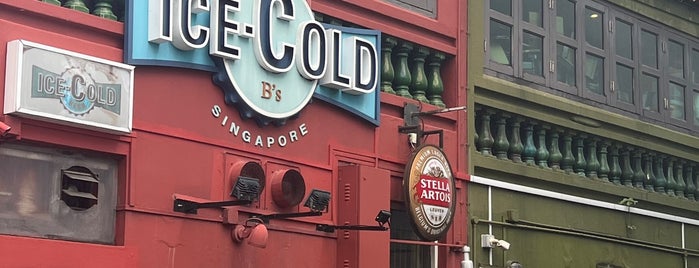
[[489, 241], [4, 129], [503, 244]]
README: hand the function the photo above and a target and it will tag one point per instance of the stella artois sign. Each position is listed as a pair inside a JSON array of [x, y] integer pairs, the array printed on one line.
[[429, 192]]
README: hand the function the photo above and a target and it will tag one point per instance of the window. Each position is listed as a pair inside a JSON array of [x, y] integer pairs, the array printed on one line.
[[57, 194], [650, 72], [598, 52], [501, 47], [676, 75], [694, 82], [624, 83], [523, 56], [425, 7], [502, 6], [695, 107], [501, 25], [405, 254], [533, 34]]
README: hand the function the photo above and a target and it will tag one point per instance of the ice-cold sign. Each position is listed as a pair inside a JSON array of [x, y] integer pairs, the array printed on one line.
[[429, 192], [269, 56]]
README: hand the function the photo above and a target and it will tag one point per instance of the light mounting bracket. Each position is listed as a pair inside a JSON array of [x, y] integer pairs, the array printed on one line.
[[412, 123]]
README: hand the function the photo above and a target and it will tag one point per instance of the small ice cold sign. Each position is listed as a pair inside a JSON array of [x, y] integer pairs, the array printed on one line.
[[429, 188]]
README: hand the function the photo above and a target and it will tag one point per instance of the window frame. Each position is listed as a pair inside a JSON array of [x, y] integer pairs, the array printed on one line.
[[595, 51], [609, 97], [650, 70], [634, 63], [665, 86], [508, 20], [565, 41], [693, 89], [542, 32]]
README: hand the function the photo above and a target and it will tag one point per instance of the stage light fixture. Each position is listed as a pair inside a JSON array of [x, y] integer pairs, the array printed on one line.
[[317, 201], [246, 188]]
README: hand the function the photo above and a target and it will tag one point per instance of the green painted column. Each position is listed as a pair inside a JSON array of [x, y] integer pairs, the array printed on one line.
[[475, 140], [660, 180], [501, 144], [78, 5], [542, 154], [626, 170], [418, 84], [649, 180], [679, 179], [689, 177], [638, 175], [568, 158], [556, 156], [485, 138], [592, 162], [103, 9], [671, 185], [477, 127], [580, 163], [529, 148], [695, 176], [387, 45], [119, 9], [402, 78], [53, 2], [319, 17], [603, 172], [516, 146], [435, 86], [615, 169]]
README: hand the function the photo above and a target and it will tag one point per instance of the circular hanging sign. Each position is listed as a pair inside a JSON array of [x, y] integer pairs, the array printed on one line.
[[429, 192]]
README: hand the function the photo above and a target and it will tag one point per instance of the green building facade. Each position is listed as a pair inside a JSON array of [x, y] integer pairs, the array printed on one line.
[[584, 133]]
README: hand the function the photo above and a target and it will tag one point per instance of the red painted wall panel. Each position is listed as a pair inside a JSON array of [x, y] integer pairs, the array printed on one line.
[[32, 252], [363, 192], [179, 147]]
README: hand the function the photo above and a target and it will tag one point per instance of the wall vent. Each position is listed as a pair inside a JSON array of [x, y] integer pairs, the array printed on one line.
[[79, 188]]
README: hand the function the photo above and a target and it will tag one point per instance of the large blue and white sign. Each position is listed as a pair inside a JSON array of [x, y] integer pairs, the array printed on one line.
[[270, 57]]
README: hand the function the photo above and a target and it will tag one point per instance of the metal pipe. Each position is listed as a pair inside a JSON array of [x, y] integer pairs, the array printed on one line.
[[573, 232], [425, 243], [466, 263]]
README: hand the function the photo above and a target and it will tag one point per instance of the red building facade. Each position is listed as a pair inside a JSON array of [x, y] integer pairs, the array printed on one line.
[[185, 142]]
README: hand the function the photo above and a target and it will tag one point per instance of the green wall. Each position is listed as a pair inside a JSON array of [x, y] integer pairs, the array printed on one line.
[[547, 232]]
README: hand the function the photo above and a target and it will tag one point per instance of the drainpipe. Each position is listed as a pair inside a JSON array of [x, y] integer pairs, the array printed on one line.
[[466, 263]]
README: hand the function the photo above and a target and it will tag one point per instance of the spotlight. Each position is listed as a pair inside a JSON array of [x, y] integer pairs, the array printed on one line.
[[254, 230], [383, 217], [317, 201], [246, 188], [4, 129]]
